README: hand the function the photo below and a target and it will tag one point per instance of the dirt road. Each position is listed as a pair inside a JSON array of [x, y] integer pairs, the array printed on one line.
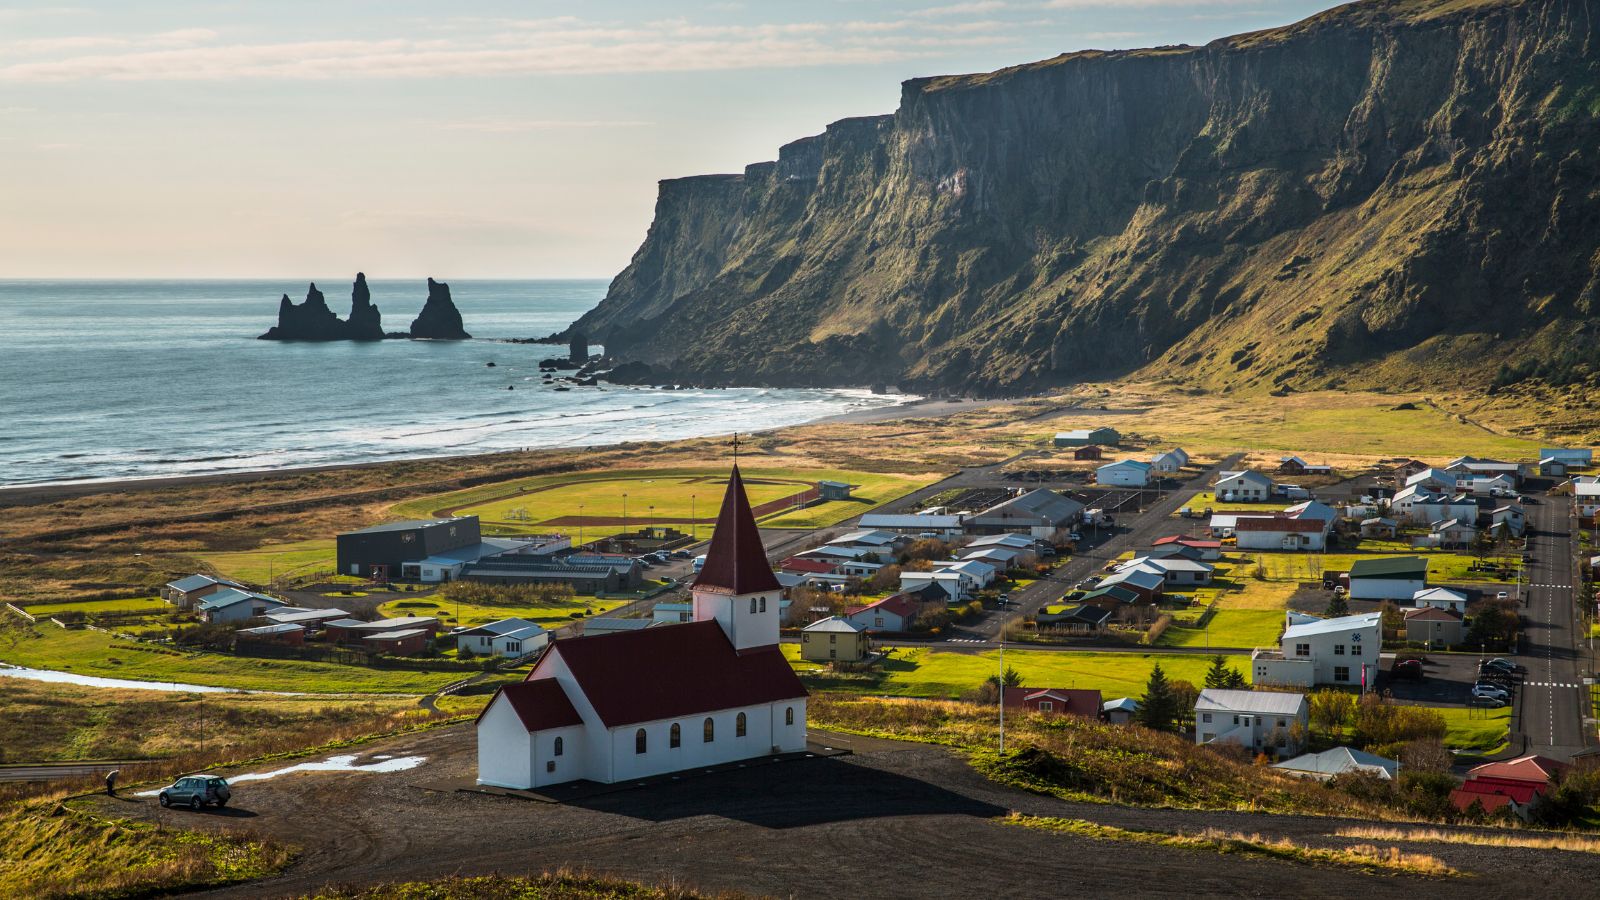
[[893, 820]]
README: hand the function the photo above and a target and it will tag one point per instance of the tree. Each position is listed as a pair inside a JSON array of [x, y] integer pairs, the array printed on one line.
[[1221, 675], [1012, 678], [1157, 709], [1184, 694], [1330, 710], [1338, 606]]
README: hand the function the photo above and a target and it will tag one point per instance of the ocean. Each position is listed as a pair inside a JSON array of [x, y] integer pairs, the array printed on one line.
[[139, 379]]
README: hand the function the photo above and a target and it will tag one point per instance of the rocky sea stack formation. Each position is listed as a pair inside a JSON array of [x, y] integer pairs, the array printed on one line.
[[1393, 192], [439, 319], [314, 321]]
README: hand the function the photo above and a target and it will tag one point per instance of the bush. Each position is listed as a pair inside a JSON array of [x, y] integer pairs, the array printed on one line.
[[481, 594]]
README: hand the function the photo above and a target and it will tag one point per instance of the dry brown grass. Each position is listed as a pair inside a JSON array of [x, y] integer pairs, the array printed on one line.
[[1577, 843]]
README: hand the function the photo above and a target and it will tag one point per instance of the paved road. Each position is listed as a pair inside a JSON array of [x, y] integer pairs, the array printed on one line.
[[56, 771], [1554, 698]]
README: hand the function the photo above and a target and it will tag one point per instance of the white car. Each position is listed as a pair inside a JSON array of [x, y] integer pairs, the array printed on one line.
[[1503, 595], [1485, 692]]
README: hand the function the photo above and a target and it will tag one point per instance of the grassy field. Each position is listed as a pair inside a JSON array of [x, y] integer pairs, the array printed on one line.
[[551, 616], [1479, 731], [1208, 500], [98, 654], [1229, 628], [261, 565], [677, 495], [136, 604], [921, 672], [1443, 566]]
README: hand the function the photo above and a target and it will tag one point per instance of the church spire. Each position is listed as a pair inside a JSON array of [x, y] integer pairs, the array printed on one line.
[[736, 563]]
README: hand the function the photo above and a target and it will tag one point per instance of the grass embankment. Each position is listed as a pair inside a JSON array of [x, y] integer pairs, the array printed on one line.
[[1362, 857], [934, 673], [1081, 759], [133, 605], [551, 615], [557, 886], [1483, 732], [42, 722], [1576, 843], [54, 852], [98, 654]]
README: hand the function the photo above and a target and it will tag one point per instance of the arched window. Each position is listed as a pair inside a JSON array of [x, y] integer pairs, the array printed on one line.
[[739, 725], [710, 730], [676, 738], [788, 716], [752, 604], [763, 604], [639, 741], [559, 747]]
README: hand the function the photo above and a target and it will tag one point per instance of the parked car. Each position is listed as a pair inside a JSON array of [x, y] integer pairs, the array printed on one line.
[[1486, 702], [1408, 668], [1503, 595], [679, 554], [644, 562], [1493, 692], [1004, 599], [1075, 537], [196, 791], [1503, 664]]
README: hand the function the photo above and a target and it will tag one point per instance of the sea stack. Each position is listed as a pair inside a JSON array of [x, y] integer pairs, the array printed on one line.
[[439, 319], [309, 321], [578, 347], [366, 322]]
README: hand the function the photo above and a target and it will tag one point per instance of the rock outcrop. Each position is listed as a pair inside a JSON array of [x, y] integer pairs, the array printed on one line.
[[1391, 192], [311, 320], [365, 322], [439, 319]]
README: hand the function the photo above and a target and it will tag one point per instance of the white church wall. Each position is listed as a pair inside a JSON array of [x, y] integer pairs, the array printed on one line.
[[504, 757], [745, 629], [550, 768], [762, 723]]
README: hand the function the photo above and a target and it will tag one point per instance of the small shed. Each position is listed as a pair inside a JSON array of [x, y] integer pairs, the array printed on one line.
[[1089, 452], [834, 490], [405, 642]]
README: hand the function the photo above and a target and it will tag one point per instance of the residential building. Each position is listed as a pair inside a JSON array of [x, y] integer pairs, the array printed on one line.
[[1586, 497], [234, 605], [1090, 452], [1059, 701], [1246, 486], [1339, 761], [1511, 518], [512, 638], [631, 705], [1434, 626], [1518, 784], [1441, 598], [672, 613], [1041, 513], [1026, 549], [1380, 527], [896, 612], [1173, 572], [1083, 436], [954, 584], [1438, 481], [1087, 620], [1169, 462], [1387, 578], [1340, 651], [1146, 583], [834, 639], [1454, 533], [186, 592], [1280, 532], [1119, 711], [1210, 550], [1268, 722], [1124, 473]]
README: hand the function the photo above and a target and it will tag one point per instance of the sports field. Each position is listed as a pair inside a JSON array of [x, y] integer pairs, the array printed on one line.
[[261, 565]]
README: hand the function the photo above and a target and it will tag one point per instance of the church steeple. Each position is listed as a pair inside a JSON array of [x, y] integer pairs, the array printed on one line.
[[736, 587]]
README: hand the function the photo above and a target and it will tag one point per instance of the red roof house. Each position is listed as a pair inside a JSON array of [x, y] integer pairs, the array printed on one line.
[[1055, 700], [895, 612], [799, 565], [1517, 783]]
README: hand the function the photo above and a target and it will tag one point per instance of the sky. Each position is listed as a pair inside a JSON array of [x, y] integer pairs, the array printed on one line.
[[467, 139]]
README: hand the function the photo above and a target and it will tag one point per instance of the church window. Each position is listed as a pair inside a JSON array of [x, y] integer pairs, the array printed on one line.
[[676, 739], [788, 716], [752, 604], [559, 747], [639, 741], [710, 730], [739, 725], [763, 604]]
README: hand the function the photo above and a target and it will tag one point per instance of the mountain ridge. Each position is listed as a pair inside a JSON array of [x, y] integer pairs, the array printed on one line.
[[1390, 189]]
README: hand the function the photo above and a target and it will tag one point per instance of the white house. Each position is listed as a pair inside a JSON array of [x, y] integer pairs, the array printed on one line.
[[1248, 485], [1280, 532], [234, 605], [507, 637], [1315, 510], [672, 613], [1173, 571], [1124, 473], [1586, 495], [1259, 721], [1511, 518], [1342, 650], [641, 703], [954, 584], [976, 573], [1455, 533], [1436, 480], [1441, 598], [1387, 578], [1170, 461], [1339, 761]]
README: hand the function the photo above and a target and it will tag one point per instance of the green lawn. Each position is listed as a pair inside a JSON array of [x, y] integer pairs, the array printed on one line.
[[1480, 731], [1443, 566], [550, 616], [929, 672], [95, 653], [1206, 499], [1230, 628], [261, 565], [137, 604]]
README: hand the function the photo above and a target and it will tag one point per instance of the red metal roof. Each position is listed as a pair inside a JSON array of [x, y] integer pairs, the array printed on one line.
[[670, 671], [736, 563], [1076, 701], [539, 704], [1530, 769], [798, 565], [1196, 543], [1462, 799], [1277, 523], [899, 604]]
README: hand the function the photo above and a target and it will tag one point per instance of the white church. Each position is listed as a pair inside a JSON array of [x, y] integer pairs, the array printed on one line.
[[663, 699]]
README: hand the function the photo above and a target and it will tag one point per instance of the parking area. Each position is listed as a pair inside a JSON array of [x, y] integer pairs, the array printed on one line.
[[1447, 679]]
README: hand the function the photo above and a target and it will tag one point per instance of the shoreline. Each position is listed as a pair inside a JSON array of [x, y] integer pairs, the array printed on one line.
[[38, 494]]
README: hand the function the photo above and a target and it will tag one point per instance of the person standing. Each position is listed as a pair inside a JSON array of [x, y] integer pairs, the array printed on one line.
[[111, 783]]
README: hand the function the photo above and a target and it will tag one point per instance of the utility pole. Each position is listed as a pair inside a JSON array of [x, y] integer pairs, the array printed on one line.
[[1002, 691], [580, 524], [694, 522]]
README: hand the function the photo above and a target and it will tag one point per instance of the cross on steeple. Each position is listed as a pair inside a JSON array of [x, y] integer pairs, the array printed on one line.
[[736, 448]]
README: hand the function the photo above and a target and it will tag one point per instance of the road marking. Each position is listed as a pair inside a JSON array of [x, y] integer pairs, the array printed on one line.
[[965, 641], [1550, 684]]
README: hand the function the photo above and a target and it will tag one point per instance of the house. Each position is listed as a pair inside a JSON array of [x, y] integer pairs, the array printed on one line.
[[1387, 578], [1222, 524], [975, 574], [1146, 583], [800, 565], [1407, 468], [1339, 761], [308, 619], [1577, 458], [1260, 721], [954, 584], [1210, 551], [1294, 465], [402, 642], [1083, 619], [1432, 479], [1379, 527], [937, 525], [512, 638], [1315, 510], [1060, 701], [603, 625], [834, 490], [186, 592], [1586, 497], [354, 631], [1511, 518], [1169, 462], [1173, 572], [834, 639], [1518, 784], [874, 540], [629, 705], [1119, 711], [1434, 626], [1553, 467], [1041, 513], [896, 612], [234, 605], [1312, 651], [1001, 559], [1083, 436], [1124, 473], [1441, 598], [1174, 551], [1090, 452], [672, 613], [288, 634], [1113, 599], [1280, 532], [1455, 533], [1246, 486]]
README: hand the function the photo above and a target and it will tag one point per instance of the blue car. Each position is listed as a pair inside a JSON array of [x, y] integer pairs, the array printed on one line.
[[195, 791]]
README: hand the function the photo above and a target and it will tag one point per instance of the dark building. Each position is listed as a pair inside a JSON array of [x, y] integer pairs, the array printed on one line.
[[587, 573], [380, 550]]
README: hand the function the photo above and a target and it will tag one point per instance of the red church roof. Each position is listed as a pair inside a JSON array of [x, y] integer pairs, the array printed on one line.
[[736, 563], [539, 704], [670, 671]]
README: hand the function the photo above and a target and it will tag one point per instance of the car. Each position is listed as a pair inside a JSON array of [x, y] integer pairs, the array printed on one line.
[[679, 554], [196, 792], [1489, 692], [1075, 537], [644, 562], [1503, 664], [1004, 598], [1407, 668], [1486, 702], [1503, 595]]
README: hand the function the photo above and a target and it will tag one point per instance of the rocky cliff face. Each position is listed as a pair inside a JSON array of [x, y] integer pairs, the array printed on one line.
[[313, 320], [1401, 189], [439, 319]]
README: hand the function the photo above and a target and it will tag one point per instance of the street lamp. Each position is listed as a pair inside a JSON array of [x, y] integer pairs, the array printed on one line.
[[580, 524], [694, 522], [624, 513]]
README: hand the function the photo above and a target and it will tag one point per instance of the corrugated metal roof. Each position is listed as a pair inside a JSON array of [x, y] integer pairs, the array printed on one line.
[[1263, 702], [1329, 626]]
